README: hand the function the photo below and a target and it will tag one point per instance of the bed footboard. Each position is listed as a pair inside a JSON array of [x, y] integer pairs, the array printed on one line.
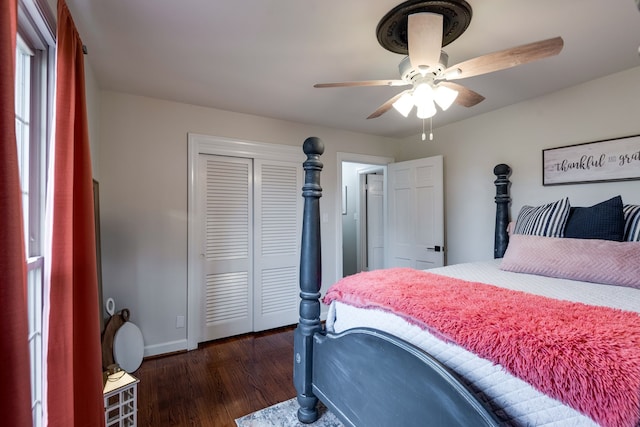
[[369, 378]]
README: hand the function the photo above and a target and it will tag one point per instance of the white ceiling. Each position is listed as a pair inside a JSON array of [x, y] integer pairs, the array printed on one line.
[[262, 57]]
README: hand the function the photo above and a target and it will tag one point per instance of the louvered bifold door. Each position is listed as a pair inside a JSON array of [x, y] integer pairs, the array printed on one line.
[[227, 213], [278, 219]]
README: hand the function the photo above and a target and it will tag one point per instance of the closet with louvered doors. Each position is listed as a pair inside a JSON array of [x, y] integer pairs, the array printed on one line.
[[251, 213]]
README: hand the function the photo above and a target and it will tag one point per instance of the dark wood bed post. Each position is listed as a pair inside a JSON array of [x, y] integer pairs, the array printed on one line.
[[310, 283], [502, 183]]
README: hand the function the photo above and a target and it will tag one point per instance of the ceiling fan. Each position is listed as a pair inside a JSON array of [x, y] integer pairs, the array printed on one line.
[[420, 29]]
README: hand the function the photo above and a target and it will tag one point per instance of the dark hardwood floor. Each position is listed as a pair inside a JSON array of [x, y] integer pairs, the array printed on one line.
[[217, 383]]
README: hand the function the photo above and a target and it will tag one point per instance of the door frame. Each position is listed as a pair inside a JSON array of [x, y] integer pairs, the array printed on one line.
[[354, 158], [207, 144]]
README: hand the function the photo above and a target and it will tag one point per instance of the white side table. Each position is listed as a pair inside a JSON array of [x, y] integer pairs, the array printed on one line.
[[121, 400]]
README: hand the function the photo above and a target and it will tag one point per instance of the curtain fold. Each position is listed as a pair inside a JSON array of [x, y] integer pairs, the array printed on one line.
[[15, 393], [74, 358]]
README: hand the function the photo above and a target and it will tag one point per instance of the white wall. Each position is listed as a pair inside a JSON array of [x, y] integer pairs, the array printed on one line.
[[143, 189], [601, 109], [143, 180]]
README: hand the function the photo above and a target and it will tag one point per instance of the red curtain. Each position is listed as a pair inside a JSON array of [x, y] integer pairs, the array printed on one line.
[[15, 394], [74, 358]]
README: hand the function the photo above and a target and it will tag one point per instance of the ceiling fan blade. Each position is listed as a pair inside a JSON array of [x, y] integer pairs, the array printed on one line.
[[466, 97], [386, 106], [505, 59], [424, 38], [363, 83]]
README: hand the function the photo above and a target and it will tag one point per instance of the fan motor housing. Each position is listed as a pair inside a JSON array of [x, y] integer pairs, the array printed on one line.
[[408, 73], [392, 28]]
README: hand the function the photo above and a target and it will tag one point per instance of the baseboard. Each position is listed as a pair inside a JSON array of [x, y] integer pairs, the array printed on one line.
[[167, 347]]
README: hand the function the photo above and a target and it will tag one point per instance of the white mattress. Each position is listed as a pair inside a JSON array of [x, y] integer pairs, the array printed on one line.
[[517, 403]]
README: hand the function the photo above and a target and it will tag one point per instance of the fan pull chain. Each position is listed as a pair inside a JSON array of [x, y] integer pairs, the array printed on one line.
[[424, 135], [430, 128]]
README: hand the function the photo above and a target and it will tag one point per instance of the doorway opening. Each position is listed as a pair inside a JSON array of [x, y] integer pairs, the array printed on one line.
[[362, 217], [361, 221]]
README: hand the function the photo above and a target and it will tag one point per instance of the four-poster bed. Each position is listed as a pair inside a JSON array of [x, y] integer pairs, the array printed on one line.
[[374, 365]]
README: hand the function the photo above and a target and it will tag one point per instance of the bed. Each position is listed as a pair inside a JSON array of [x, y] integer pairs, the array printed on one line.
[[547, 333]]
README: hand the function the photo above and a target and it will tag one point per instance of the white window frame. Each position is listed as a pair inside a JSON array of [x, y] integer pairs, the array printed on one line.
[[35, 78]]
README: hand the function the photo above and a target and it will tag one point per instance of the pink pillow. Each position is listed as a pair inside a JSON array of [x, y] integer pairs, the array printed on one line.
[[587, 260]]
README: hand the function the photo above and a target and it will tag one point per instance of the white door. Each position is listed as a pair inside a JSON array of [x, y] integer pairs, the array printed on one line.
[[416, 213], [375, 221], [278, 221], [227, 215]]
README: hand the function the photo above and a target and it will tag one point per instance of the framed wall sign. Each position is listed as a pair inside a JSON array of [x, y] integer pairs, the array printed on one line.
[[607, 160]]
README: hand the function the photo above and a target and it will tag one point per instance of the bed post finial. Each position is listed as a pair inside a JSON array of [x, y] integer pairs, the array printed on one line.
[[502, 183], [310, 282]]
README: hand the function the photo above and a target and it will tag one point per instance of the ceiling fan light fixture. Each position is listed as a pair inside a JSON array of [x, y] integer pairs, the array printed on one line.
[[423, 92], [404, 104], [423, 98], [444, 96], [426, 109]]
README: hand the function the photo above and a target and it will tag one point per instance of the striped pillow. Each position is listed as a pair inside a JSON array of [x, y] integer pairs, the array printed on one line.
[[631, 223], [546, 220]]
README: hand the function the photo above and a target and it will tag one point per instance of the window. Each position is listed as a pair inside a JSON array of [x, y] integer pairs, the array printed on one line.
[[34, 102]]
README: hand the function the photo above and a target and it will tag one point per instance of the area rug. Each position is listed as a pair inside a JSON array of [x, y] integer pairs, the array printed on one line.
[[283, 414]]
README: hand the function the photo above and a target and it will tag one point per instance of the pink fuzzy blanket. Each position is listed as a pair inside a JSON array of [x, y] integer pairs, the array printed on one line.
[[586, 356]]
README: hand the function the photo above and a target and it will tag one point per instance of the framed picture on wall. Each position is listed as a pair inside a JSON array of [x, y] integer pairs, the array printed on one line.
[[598, 161]]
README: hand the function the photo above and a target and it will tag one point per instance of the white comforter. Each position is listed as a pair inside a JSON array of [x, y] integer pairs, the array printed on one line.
[[513, 399]]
